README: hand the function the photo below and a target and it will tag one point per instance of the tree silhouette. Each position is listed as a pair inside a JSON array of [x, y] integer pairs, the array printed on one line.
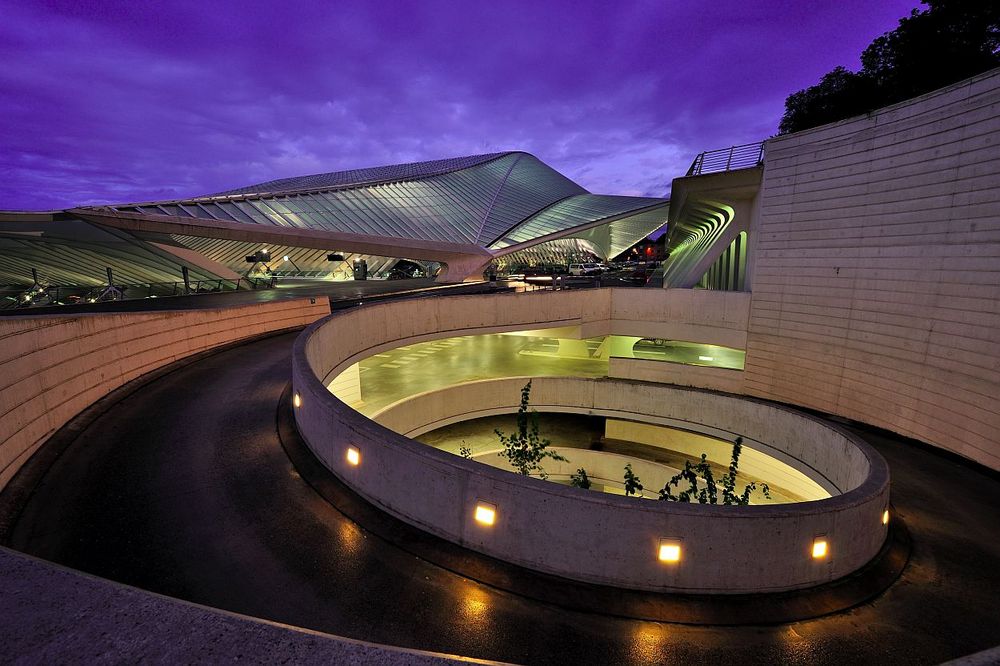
[[949, 41]]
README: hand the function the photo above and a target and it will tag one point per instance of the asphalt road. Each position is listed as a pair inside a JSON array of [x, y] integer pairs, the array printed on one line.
[[184, 489]]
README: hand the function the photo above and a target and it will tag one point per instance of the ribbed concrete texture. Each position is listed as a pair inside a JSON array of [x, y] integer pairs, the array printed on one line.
[[876, 288], [52, 367]]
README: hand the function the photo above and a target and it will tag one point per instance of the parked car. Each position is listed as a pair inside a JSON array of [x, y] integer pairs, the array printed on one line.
[[585, 269]]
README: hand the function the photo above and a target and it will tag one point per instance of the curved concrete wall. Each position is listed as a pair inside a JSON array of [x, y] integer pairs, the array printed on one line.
[[665, 372], [789, 436], [566, 531], [764, 459], [53, 366], [876, 275], [699, 316], [603, 468]]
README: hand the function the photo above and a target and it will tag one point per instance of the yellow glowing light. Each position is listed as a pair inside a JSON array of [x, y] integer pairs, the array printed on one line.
[[353, 456], [885, 517], [670, 551], [486, 514], [819, 549], [297, 400], [706, 358]]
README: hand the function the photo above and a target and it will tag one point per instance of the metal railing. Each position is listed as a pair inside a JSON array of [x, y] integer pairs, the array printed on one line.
[[651, 278], [48, 295], [728, 159]]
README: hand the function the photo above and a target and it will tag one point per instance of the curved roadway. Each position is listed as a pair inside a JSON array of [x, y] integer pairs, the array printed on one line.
[[183, 488]]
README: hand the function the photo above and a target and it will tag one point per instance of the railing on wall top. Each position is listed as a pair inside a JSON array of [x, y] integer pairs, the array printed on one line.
[[728, 159]]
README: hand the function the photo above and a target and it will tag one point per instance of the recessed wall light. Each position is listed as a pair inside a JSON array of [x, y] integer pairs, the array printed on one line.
[[486, 514], [669, 551]]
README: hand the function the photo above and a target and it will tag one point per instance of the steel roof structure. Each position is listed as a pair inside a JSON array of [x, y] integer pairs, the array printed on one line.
[[459, 213]]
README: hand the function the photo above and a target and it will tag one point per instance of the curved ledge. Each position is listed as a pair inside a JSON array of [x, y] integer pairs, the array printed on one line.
[[576, 534], [693, 609], [835, 460]]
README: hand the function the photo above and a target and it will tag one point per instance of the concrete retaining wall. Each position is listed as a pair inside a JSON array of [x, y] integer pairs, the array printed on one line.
[[699, 316], [876, 283], [570, 532], [791, 437], [603, 468], [53, 366], [793, 477]]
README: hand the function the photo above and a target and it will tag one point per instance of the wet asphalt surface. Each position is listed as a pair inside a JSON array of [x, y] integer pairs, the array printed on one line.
[[184, 489]]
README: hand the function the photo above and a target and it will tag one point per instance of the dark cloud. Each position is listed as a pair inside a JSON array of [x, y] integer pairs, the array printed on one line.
[[128, 101]]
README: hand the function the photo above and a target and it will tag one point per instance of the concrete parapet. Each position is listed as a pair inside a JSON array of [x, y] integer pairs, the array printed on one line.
[[53, 366], [569, 532]]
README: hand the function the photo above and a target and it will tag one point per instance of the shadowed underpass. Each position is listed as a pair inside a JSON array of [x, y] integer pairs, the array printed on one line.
[[183, 488]]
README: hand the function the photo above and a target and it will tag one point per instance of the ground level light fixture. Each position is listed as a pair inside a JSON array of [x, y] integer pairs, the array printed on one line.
[[486, 513]]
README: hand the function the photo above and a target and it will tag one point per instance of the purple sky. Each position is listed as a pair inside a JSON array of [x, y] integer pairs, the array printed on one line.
[[141, 100]]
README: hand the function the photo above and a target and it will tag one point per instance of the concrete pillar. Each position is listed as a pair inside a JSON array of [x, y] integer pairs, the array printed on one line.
[[619, 346], [573, 348]]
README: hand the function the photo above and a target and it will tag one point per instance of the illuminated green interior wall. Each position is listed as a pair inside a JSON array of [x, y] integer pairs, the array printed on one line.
[[728, 273]]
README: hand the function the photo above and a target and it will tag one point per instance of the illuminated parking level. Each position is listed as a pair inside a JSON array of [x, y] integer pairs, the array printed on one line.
[[689, 353], [394, 374], [391, 376]]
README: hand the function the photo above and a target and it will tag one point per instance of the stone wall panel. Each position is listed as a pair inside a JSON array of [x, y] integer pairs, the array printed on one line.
[[876, 291]]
